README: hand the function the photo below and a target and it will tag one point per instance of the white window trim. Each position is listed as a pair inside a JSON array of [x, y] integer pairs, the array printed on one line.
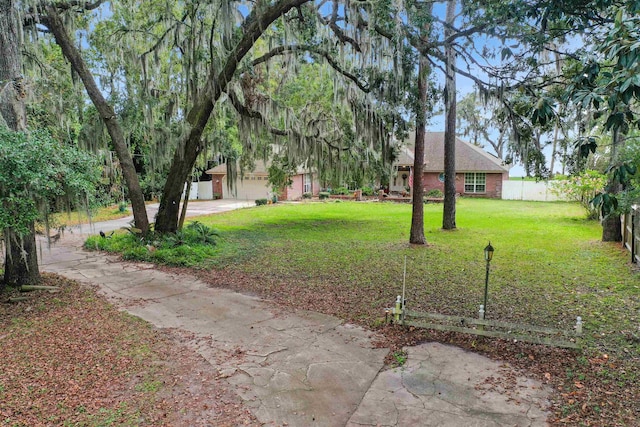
[[475, 182], [306, 183]]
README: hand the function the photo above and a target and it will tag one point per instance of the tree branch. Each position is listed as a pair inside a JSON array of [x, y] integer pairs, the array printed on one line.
[[282, 50], [256, 115], [161, 38], [333, 25]]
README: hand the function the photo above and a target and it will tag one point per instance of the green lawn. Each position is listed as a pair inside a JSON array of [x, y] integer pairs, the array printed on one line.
[[549, 266]]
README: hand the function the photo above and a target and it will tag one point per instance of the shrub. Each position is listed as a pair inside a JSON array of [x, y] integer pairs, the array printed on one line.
[[435, 193], [138, 252], [306, 195], [581, 188], [367, 191], [122, 207], [260, 202], [194, 244], [199, 233], [341, 191], [323, 195]]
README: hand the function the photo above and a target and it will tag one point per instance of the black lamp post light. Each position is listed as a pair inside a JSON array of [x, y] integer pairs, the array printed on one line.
[[488, 255]]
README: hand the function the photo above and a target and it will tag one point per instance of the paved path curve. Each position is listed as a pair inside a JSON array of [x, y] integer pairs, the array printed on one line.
[[303, 368]]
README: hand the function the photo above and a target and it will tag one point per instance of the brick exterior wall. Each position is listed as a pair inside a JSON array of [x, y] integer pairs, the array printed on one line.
[[295, 190], [493, 184], [216, 182]]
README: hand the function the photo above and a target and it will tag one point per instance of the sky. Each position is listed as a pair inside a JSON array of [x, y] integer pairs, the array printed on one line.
[[465, 86]]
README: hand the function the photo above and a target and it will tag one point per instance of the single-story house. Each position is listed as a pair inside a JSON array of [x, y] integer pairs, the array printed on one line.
[[255, 185], [478, 173]]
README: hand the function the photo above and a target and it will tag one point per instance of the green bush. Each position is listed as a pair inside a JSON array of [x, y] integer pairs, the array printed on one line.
[[193, 245], [260, 202], [581, 188], [323, 195], [306, 195], [199, 233], [367, 191], [435, 193], [136, 253], [341, 191]]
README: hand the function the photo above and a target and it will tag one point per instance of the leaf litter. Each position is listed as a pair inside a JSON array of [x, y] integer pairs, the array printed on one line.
[[72, 358]]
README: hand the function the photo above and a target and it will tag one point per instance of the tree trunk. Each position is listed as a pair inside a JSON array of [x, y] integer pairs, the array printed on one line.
[[190, 146], [21, 257], [611, 227], [185, 205], [21, 260], [449, 211], [554, 147], [416, 235], [56, 26], [12, 93]]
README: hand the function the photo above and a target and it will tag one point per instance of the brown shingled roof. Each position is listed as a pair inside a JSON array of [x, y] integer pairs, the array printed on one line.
[[469, 158]]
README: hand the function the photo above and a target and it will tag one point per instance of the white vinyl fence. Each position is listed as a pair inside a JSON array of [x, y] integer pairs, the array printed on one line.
[[200, 191], [528, 190]]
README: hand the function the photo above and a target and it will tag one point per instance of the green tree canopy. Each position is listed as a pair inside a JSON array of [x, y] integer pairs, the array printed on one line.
[[36, 171]]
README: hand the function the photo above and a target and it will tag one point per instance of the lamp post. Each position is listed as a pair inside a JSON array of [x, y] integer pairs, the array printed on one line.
[[488, 254]]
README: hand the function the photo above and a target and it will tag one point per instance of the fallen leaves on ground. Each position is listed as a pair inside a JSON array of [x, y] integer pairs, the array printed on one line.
[[72, 358]]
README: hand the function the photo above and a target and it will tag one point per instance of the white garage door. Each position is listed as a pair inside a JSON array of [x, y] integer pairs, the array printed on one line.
[[251, 188]]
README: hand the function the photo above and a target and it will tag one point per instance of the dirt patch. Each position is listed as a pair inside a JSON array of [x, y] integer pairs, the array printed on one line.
[[71, 357]]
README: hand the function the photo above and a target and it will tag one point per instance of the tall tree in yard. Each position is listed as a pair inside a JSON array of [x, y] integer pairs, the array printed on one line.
[[52, 20], [608, 83], [21, 259], [449, 211], [207, 57], [416, 233]]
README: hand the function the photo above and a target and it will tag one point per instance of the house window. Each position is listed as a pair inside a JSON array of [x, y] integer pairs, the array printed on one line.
[[306, 187], [475, 182], [441, 177]]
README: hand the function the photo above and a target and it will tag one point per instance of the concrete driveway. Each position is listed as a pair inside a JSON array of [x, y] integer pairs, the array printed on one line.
[[194, 208]]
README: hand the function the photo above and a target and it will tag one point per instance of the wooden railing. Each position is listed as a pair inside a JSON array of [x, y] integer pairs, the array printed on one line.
[[488, 328]]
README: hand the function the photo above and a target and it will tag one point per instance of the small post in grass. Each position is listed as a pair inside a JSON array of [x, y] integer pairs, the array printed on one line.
[[404, 280], [488, 255], [579, 325]]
